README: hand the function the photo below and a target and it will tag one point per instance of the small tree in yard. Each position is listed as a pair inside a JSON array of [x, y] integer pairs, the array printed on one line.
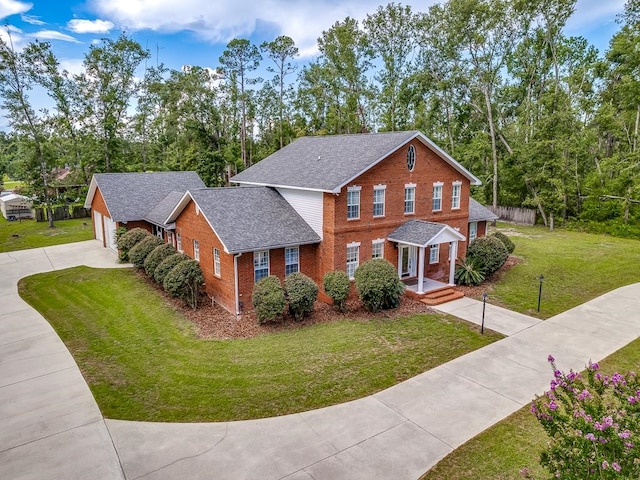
[[167, 265], [378, 284], [268, 299], [184, 281], [301, 293], [490, 251], [156, 256], [138, 254], [336, 285], [129, 240]]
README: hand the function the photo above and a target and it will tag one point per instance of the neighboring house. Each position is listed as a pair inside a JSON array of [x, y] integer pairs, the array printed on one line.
[[136, 200], [14, 206]]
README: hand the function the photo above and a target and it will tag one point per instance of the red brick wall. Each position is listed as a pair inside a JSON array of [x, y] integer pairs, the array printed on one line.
[[137, 224], [393, 172], [98, 205]]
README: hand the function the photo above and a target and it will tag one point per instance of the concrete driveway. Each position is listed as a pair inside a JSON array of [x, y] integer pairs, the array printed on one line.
[[51, 427]]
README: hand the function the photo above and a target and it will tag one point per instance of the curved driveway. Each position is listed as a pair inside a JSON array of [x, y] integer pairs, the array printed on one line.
[[50, 426]]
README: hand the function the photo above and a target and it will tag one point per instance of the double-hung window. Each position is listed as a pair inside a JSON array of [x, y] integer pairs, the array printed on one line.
[[260, 265], [455, 195], [353, 203], [291, 260], [196, 250], [410, 198], [434, 253], [353, 259], [378, 200], [179, 242], [437, 197], [377, 248], [216, 262], [473, 231]]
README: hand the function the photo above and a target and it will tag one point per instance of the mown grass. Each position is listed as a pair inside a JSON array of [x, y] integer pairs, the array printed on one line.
[[142, 360], [27, 233], [9, 184], [577, 267]]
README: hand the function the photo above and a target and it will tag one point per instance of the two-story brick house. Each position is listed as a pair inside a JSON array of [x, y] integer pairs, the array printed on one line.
[[330, 203]]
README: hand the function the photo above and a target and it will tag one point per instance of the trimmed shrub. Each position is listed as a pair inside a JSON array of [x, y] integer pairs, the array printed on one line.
[[378, 284], [184, 281], [268, 299], [469, 272], [336, 286], [301, 292], [138, 254], [490, 251], [506, 241], [120, 231], [167, 265], [129, 240], [157, 255]]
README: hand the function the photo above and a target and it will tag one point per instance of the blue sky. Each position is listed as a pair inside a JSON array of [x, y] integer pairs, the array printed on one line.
[[195, 32]]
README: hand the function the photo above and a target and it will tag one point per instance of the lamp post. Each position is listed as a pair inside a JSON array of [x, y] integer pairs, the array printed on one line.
[[484, 304], [540, 291]]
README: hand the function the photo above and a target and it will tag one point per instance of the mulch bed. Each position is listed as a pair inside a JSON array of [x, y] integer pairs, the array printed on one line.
[[214, 322]]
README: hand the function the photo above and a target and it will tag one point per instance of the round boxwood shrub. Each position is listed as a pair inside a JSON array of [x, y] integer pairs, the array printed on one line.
[[505, 240], [378, 284], [166, 265], [268, 299], [336, 286], [490, 252], [301, 292], [184, 281], [156, 256], [128, 240], [139, 252]]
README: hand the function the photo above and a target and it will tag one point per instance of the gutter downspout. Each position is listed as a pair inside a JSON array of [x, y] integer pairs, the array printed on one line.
[[235, 278]]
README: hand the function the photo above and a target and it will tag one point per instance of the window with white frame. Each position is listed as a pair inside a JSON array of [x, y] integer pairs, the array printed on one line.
[[179, 242], [377, 248], [353, 259], [260, 265], [353, 203], [409, 198], [196, 250], [434, 253], [473, 231], [170, 237], [437, 197], [455, 195], [291, 260], [378, 200], [216, 261]]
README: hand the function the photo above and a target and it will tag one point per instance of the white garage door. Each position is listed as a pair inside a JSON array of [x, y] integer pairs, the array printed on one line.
[[97, 225], [110, 233]]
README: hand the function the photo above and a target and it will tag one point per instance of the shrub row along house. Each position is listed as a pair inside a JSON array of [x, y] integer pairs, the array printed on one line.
[[319, 204]]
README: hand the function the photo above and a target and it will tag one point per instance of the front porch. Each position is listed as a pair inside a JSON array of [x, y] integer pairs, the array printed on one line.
[[434, 292]]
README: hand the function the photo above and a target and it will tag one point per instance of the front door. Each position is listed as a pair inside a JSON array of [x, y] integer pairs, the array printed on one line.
[[408, 256]]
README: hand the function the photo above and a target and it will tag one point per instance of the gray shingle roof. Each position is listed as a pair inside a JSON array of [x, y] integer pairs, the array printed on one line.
[[131, 196], [247, 219], [161, 211], [480, 213], [327, 163], [416, 232]]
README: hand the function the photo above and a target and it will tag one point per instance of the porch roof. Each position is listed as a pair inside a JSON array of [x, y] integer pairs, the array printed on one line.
[[422, 233]]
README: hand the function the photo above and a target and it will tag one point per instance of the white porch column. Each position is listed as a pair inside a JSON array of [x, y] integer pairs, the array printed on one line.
[[421, 271], [452, 263], [399, 260]]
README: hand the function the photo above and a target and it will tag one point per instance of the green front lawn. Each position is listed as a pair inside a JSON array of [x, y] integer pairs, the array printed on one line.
[[26, 233], [143, 362]]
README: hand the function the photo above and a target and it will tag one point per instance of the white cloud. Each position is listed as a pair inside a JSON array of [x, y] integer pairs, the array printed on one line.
[[13, 36], [32, 19], [593, 14], [12, 7], [52, 35], [74, 66], [90, 26]]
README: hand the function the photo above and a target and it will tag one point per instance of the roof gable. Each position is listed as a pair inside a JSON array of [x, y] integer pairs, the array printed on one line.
[[248, 219], [422, 233], [328, 163], [131, 196]]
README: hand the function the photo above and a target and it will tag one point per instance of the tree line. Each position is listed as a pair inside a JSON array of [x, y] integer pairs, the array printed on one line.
[[543, 118]]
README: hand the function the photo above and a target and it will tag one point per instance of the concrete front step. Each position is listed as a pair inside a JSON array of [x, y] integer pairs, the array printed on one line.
[[441, 296]]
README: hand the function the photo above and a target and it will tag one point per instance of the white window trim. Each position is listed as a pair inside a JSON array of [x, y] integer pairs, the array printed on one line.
[[179, 243], [268, 264], [436, 185], [355, 188], [378, 188], [473, 236], [196, 250], [434, 254], [297, 262], [216, 262], [355, 245], [458, 185], [406, 187], [376, 242]]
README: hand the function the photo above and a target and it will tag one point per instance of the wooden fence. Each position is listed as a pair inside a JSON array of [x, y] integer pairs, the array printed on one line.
[[522, 216], [63, 212]]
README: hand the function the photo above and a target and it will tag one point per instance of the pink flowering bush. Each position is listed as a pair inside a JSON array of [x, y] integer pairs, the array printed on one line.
[[593, 422]]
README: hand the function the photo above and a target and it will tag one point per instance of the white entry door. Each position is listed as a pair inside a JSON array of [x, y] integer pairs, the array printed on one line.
[[408, 260]]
